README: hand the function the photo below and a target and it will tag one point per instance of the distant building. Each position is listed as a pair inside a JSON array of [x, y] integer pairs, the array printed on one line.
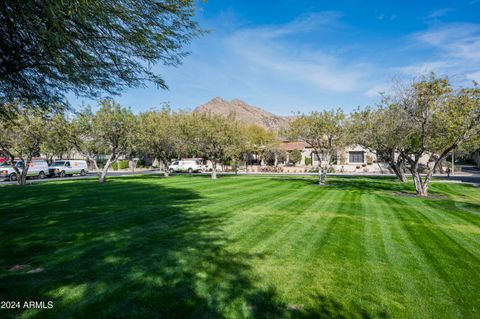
[[353, 158]]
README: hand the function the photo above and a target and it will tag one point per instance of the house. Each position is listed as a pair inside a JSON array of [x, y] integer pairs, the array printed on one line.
[[352, 159]]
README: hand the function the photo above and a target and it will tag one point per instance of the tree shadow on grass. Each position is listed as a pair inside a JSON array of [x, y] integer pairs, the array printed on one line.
[[127, 249]]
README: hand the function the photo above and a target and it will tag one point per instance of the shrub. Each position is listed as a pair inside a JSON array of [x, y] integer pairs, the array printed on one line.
[[308, 161], [123, 164], [295, 156], [141, 163], [369, 159]]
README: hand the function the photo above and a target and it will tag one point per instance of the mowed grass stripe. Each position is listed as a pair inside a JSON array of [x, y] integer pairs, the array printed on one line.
[[252, 218], [290, 223], [418, 266], [375, 261], [450, 254], [244, 199], [308, 249], [296, 231], [434, 250], [401, 258], [462, 234]]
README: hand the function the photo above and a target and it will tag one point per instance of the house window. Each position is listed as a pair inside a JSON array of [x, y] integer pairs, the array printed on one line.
[[314, 156], [355, 157]]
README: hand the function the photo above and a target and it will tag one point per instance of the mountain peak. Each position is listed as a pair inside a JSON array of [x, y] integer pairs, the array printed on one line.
[[244, 113], [217, 99]]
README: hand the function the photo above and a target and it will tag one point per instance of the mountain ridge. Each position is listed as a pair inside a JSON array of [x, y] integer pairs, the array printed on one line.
[[245, 113]]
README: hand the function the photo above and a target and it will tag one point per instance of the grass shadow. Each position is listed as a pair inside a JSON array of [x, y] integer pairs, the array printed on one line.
[[130, 248]]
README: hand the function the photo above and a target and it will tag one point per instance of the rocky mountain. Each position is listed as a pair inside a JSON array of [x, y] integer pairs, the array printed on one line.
[[245, 113]]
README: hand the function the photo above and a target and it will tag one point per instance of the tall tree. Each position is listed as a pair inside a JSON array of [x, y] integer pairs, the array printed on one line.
[[50, 47], [159, 135], [212, 136], [21, 136], [259, 141], [380, 131], [295, 156], [110, 131], [324, 132], [437, 119], [54, 143]]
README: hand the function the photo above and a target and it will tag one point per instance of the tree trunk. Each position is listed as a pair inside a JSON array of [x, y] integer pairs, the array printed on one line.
[[398, 170], [421, 186], [95, 164], [103, 175], [322, 176], [214, 170], [22, 176], [22, 179], [166, 172]]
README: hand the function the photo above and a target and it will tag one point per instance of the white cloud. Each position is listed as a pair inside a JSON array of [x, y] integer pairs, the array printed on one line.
[[305, 23], [420, 68], [376, 90], [439, 13], [474, 76], [268, 49], [453, 50], [456, 40]]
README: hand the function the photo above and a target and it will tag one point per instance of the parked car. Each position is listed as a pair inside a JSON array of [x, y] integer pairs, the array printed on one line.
[[64, 168], [189, 166], [36, 168]]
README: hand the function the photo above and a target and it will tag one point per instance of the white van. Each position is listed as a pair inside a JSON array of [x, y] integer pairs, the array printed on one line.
[[64, 168], [36, 168], [187, 165]]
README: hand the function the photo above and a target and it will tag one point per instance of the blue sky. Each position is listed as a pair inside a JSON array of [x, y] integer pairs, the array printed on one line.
[[288, 56]]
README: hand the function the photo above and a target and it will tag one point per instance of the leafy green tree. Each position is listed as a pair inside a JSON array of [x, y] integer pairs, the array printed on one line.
[[159, 134], [295, 156], [50, 47], [324, 132], [110, 131], [21, 136], [260, 141], [436, 119], [273, 155], [212, 136], [54, 143], [380, 131]]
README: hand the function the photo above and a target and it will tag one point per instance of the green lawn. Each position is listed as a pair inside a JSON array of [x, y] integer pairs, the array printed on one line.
[[238, 247]]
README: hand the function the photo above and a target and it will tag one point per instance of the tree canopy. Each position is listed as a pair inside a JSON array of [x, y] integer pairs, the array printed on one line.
[[380, 131], [110, 131], [22, 136], [50, 47], [324, 132], [159, 134]]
